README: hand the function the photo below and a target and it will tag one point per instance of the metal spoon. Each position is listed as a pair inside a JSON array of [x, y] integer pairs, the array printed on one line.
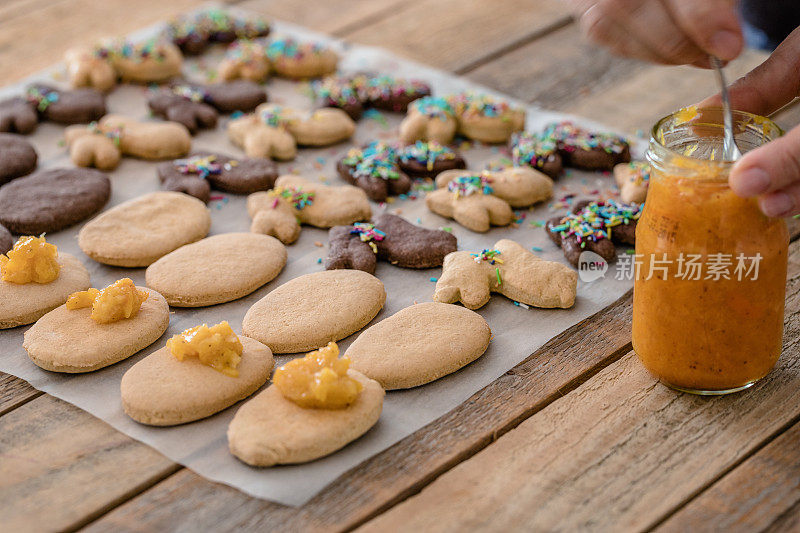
[[730, 152]]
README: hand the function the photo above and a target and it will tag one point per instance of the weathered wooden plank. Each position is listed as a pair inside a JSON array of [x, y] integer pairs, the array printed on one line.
[[621, 452], [788, 522], [337, 17], [14, 392], [454, 34], [412, 463], [60, 466], [36, 38], [636, 103], [752, 497], [555, 70]]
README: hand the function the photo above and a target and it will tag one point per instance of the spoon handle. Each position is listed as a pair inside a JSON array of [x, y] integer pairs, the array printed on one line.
[[730, 151]]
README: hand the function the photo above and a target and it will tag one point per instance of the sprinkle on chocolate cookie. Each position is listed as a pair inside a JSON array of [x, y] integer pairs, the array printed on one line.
[[356, 92], [78, 106], [197, 174], [428, 159], [375, 169], [536, 151], [390, 238], [193, 33], [594, 226], [586, 149]]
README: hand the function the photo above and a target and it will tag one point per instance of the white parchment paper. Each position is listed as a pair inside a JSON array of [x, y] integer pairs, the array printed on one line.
[[202, 445]]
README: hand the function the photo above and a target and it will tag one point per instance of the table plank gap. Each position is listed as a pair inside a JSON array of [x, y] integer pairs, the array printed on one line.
[[14, 393], [619, 452], [758, 492], [335, 17], [515, 45], [53, 452], [122, 498], [452, 34]]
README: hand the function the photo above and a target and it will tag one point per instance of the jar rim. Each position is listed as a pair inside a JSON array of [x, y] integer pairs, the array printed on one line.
[[743, 117]]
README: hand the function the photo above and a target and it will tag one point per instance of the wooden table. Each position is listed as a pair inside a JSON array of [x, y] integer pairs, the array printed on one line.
[[576, 436]]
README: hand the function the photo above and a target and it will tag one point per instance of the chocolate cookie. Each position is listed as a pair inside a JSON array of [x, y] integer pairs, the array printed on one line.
[[17, 157], [193, 33], [389, 93], [52, 199], [78, 106], [339, 92], [581, 148], [428, 159], [6, 240], [536, 151], [17, 116], [374, 168], [236, 95], [595, 227], [197, 174], [354, 93], [391, 238], [193, 104], [191, 112]]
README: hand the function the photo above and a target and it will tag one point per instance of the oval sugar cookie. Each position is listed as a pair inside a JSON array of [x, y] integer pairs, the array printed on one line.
[[159, 390], [70, 341], [138, 232], [217, 269], [270, 430], [25, 304], [420, 344], [314, 309]]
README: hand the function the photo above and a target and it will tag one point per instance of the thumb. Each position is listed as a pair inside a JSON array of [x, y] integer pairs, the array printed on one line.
[[771, 172]]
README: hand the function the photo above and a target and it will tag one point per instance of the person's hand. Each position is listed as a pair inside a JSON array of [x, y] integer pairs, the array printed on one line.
[[771, 172], [674, 32]]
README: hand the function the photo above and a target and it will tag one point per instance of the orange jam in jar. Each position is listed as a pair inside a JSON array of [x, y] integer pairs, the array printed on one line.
[[710, 275]]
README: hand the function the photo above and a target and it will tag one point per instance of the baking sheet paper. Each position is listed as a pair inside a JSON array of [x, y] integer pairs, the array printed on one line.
[[202, 446]]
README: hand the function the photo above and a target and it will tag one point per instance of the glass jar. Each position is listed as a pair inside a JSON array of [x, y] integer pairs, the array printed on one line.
[[711, 268]]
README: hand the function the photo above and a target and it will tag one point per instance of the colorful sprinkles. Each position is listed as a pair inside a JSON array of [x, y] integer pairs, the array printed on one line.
[[112, 133], [42, 99], [594, 222], [433, 107], [291, 48], [294, 196], [368, 233], [467, 185], [376, 160], [571, 137], [532, 149], [640, 171], [427, 153], [194, 94], [203, 165], [469, 103]]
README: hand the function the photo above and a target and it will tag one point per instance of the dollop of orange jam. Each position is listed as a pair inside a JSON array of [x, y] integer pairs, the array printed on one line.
[[686, 114], [319, 380], [215, 346], [32, 259], [117, 301]]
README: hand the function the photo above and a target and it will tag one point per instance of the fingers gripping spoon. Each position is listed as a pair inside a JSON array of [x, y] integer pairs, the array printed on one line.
[[730, 152]]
